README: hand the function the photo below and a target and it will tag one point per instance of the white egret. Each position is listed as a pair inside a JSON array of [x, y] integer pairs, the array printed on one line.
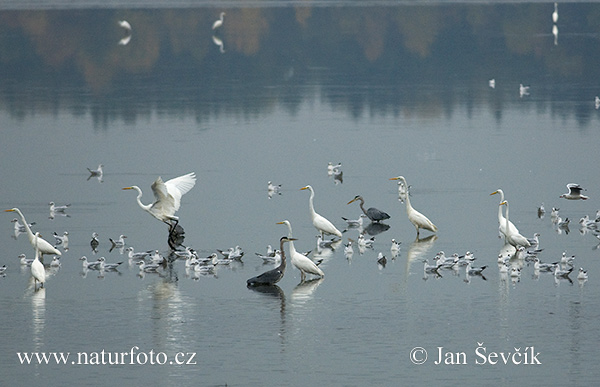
[[372, 213], [273, 276], [574, 192], [301, 261], [323, 225], [514, 238], [502, 224], [218, 23], [167, 197], [37, 268], [419, 220], [43, 246], [555, 13]]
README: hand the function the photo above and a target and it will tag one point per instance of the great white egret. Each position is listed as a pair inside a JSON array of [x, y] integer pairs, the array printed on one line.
[[373, 213], [502, 224], [323, 225], [218, 23], [273, 276], [301, 261], [419, 220], [43, 246], [555, 13], [574, 192], [167, 197], [37, 268], [514, 238]]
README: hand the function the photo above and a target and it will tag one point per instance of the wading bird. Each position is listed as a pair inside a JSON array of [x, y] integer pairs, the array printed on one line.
[[301, 261], [273, 276], [514, 238], [167, 198], [323, 225], [43, 246], [219, 22], [37, 268], [502, 223], [372, 213], [419, 220]]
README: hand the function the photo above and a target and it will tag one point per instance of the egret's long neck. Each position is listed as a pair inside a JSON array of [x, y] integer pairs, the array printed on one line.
[[139, 197], [311, 205], [27, 229], [408, 205], [507, 216], [292, 248]]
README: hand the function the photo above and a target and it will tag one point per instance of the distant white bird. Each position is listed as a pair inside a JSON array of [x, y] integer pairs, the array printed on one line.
[[55, 262], [2, 269], [323, 225], [37, 268], [24, 260], [574, 192], [492, 83], [558, 272], [567, 260], [475, 270], [119, 242], [515, 272], [148, 267], [219, 22], [331, 168], [541, 211], [419, 220], [96, 172], [555, 13], [348, 250], [55, 208], [597, 102], [523, 90], [125, 24], [365, 243], [19, 228], [582, 275], [430, 268], [273, 189], [107, 266], [89, 265], [43, 246], [355, 223], [395, 248], [540, 266], [167, 197], [515, 239], [62, 239]]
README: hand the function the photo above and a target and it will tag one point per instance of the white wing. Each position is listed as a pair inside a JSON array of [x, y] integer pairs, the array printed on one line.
[[179, 186]]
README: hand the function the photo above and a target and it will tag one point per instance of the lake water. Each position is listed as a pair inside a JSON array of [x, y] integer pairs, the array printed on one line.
[[387, 91]]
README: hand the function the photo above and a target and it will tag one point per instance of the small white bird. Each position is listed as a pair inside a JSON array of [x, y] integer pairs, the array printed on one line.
[[148, 267], [515, 272], [89, 265], [119, 242], [492, 83], [134, 256], [597, 102], [125, 24], [55, 262], [355, 223], [395, 248], [540, 266], [24, 260], [365, 243], [219, 22], [574, 192], [541, 211], [331, 168], [558, 272], [107, 266], [567, 260], [523, 90], [381, 259], [19, 228], [582, 275], [62, 239], [2, 269], [348, 250], [555, 13], [55, 208], [96, 172], [94, 242], [475, 270]]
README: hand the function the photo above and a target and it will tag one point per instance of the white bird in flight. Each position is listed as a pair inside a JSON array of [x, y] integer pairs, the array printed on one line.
[[574, 192], [167, 197]]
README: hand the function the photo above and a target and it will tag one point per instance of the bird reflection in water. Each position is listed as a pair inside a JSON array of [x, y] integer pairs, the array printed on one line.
[[418, 250], [274, 292]]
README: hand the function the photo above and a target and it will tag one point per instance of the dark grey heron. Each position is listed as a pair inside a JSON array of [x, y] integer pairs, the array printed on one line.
[[273, 276], [373, 213]]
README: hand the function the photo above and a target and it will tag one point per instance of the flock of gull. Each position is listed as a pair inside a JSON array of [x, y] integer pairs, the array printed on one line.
[[518, 251]]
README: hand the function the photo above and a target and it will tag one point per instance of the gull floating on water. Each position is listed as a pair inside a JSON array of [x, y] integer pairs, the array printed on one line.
[[55, 208], [523, 90], [89, 265], [107, 266], [582, 275], [24, 260], [119, 242], [55, 262]]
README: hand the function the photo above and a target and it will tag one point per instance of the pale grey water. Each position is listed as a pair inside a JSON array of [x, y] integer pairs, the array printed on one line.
[[280, 108]]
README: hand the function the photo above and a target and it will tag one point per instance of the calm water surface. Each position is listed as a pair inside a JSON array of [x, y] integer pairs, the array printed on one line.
[[297, 88]]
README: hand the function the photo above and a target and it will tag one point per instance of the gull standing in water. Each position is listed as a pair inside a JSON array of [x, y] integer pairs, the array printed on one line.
[[419, 220], [96, 172], [574, 192], [273, 276], [323, 225], [37, 243], [373, 213]]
